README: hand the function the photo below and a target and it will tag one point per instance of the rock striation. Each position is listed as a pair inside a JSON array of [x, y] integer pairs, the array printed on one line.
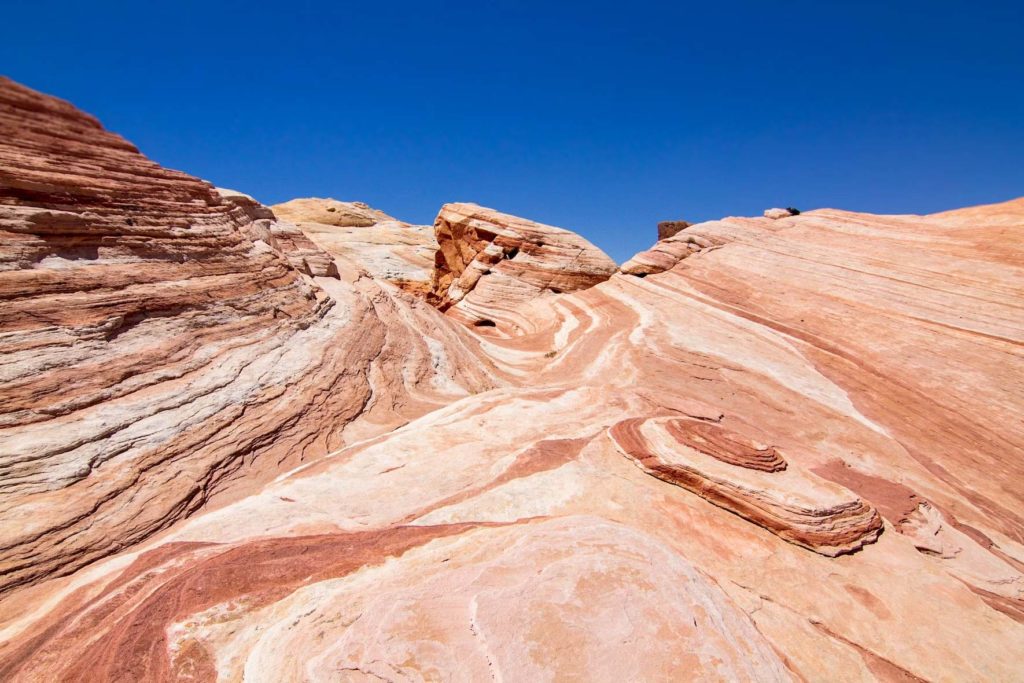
[[162, 341], [282, 237], [667, 252], [705, 459], [787, 453], [389, 250], [489, 263]]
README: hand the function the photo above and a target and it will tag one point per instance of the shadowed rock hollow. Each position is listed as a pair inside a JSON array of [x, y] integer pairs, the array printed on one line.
[[237, 443]]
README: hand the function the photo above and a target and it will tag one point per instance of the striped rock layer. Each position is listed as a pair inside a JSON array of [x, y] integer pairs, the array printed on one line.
[[218, 466], [489, 263], [389, 250], [161, 340], [797, 506]]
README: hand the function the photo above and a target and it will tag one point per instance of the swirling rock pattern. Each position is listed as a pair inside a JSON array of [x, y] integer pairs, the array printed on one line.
[[275, 475], [159, 338], [719, 443], [797, 506]]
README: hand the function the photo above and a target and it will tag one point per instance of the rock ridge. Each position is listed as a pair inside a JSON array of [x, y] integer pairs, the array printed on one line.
[[797, 506], [389, 250], [785, 453], [489, 263], [161, 339]]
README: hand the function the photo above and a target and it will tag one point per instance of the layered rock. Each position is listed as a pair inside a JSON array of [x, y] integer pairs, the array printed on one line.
[[490, 263], [388, 249], [479, 519], [161, 341], [797, 506], [712, 440], [664, 255], [285, 238]]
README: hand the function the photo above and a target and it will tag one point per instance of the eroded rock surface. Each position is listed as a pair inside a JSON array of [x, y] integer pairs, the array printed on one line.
[[330, 212], [705, 459], [668, 229], [489, 263], [283, 237], [386, 248], [398, 495], [161, 340], [776, 213]]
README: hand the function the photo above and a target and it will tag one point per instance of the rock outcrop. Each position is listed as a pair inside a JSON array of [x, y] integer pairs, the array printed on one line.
[[285, 238], [350, 485], [388, 249], [797, 506], [162, 341], [489, 263], [668, 229], [330, 212], [667, 252]]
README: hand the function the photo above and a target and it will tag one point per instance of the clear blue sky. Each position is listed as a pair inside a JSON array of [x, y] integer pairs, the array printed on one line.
[[602, 117]]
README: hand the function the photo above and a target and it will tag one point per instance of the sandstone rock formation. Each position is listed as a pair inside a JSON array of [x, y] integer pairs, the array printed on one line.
[[161, 340], [330, 212], [776, 214], [668, 229], [285, 238], [798, 506], [283, 477], [489, 263], [386, 248], [666, 253]]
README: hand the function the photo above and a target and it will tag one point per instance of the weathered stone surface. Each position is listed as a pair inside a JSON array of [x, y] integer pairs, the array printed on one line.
[[476, 517], [798, 506], [489, 263], [776, 214], [668, 229], [285, 238], [388, 249], [330, 212], [161, 343], [666, 253]]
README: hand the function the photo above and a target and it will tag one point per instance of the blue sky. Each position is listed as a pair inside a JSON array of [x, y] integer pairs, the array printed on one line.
[[600, 117]]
